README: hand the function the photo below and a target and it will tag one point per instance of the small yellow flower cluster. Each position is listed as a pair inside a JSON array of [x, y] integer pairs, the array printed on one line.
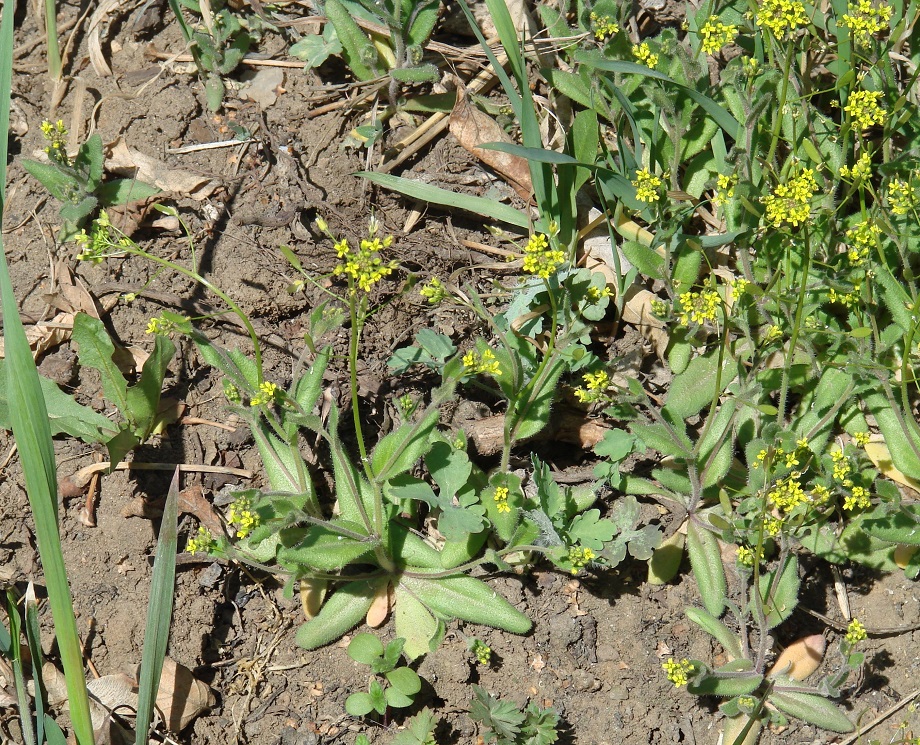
[[842, 468], [725, 188], [849, 299], [864, 20], [540, 258], [699, 307], [580, 557], [716, 35], [678, 671], [856, 632], [603, 27], [787, 494], [102, 241], [481, 652], [162, 325], [231, 392], [746, 556], [772, 525], [861, 170], [900, 196], [820, 494], [774, 333], [434, 291], [56, 135], [858, 499], [595, 386], [739, 287], [647, 185], [790, 203], [364, 267], [861, 439], [864, 108], [781, 16], [242, 516], [595, 295], [644, 54], [268, 392], [863, 236], [501, 499], [201, 543], [484, 364]]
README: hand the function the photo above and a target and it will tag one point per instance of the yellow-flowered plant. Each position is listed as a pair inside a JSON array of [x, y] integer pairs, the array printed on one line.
[[433, 291], [647, 186], [861, 438], [481, 364], [900, 196], [56, 135], [725, 188], [714, 35], [644, 54], [790, 203], [862, 237], [858, 499], [699, 307], [856, 632], [241, 515], [603, 27], [861, 170], [678, 671], [781, 16], [864, 108], [540, 258], [501, 499], [202, 542], [102, 241], [595, 387], [268, 393], [580, 557], [865, 20]]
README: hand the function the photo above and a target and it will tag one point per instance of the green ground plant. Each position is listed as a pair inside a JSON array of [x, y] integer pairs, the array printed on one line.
[[505, 723], [402, 684], [79, 182]]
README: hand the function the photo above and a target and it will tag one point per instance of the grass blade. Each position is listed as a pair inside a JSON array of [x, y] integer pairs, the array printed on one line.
[[34, 639], [29, 420], [22, 695], [159, 613]]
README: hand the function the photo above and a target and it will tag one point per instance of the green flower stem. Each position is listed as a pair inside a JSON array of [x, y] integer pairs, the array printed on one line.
[[54, 52], [778, 124], [470, 565], [796, 330]]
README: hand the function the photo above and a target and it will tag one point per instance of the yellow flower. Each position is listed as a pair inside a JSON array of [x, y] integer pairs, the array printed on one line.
[[484, 364], [781, 16], [715, 35], [647, 186], [787, 494], [201, 543], [842, 465], [643, 53], [699, 307], [858, 500], [501, 499], [364, 268], [540, 258], [603, 27], [242, 516], [746, 556], [434, 291], [856, 632], [900, 196], [725, 188], [864, 108], [790, 203], [56, 135], [864, 20], [580, 557], [268, 392], [861, 439], [861, 171], [678, 672]]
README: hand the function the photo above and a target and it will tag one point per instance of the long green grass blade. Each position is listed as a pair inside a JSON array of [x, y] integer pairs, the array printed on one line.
[[22, 695], [34, 640], [29, 419], [159, 613], [428, 193]]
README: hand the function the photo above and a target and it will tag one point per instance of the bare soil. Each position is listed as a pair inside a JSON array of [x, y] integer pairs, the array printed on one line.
[[596, 649]]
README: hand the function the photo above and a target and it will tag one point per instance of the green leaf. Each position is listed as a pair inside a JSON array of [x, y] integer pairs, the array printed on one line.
[[405, 680], [714, 627], [706, 561], [326, 550], [726, 687], [314, 49], [124, 190], [698, 385], [666, 561], [489, 208], [89, 161], [360, 704], [365, 648], [532, 414], [61, 185], [591, 531], [419, 730], [645, 259], [96, 350], [415, 624], [357, 50], [343, 611], [780, 596], [142, 401], [901, 526], [400, 450], [468, 599], [810, 707]]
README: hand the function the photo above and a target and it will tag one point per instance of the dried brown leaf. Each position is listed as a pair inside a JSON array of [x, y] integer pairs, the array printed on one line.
[[181, 696], [130, 163]]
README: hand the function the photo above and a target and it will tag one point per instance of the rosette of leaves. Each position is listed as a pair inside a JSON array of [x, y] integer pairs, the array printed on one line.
[[505, 723]]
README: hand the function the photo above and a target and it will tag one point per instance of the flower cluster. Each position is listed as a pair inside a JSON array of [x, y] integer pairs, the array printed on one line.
[[781, 16], [900, 196], [864, 20], [482, 364], [647, 185], [579, 557], [56, 135], [856, 632], [540, 258], [790, 203], [595, 385], [231, 392], [842, 468], [501, 499], [849, 299], [861, 439], [787, 494], [862, 236], [268, 392], [644, 54], [747, 557], [242, 516], [481, 651], [725, 188], [603, 27], [861, 170], [715, 35], [102, 241], [699, 307], [678, 671], [864, 108], [202, 542], [858, 499], [434, 291], [595, 295], [164, 324], [739, 287]]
